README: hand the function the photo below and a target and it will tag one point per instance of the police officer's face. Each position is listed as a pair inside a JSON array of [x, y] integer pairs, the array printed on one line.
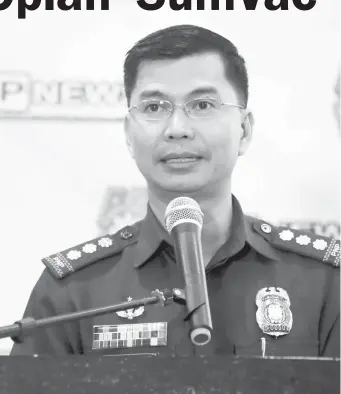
[[184, 154]]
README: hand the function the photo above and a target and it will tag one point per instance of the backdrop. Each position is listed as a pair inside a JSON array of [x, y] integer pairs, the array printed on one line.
[[66, 175]]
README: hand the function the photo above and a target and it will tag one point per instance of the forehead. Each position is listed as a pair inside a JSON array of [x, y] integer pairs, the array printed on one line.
[[177, 78]]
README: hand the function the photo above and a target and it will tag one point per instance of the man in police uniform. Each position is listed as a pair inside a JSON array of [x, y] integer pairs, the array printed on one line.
[[273, 291]]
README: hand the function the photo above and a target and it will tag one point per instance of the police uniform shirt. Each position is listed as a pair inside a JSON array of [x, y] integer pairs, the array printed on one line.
[[140, 258]]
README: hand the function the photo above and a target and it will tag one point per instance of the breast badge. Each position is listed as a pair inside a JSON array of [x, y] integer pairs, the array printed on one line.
[[131, 313], [273, 315]]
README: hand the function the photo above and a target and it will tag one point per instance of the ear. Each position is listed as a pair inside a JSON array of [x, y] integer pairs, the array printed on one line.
[[128, 134], [247, 127]]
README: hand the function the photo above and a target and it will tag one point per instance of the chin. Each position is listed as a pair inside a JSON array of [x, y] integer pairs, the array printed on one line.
[[181, 187]]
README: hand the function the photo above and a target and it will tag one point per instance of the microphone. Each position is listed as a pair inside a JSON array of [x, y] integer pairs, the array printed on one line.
[[184, 220]]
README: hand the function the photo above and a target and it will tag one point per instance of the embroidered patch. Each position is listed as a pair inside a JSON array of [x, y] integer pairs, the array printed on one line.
[[129, 335]]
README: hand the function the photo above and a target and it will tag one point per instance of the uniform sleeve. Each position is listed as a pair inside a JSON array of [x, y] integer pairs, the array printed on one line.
[[48, 298], [330, 318]]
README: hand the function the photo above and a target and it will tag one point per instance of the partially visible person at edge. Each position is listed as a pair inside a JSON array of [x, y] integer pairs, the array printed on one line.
[[187, 124], [336, 101]]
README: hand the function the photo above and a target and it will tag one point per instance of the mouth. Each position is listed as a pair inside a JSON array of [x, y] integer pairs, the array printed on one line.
[[185, 157], [181, 160]]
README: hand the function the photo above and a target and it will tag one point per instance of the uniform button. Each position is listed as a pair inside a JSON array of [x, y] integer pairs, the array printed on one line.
[[177, 292], [265, 228], [126, 234]]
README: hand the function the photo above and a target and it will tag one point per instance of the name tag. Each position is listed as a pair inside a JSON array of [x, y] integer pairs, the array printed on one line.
[[121, 336]]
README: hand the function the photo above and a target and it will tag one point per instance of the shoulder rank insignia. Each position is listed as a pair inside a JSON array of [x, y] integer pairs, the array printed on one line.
[[64, 263], [302, 242]]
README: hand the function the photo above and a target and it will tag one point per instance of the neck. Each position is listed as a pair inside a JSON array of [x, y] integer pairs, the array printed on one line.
[[215, 204]]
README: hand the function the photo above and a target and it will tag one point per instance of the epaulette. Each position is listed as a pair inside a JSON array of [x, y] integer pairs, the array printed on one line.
[[302, 242], [68, 261]]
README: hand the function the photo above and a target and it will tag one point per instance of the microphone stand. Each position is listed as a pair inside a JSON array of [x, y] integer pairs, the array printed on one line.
[[25, 326]]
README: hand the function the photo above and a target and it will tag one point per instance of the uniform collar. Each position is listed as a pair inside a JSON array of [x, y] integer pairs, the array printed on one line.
[[245, 225], [256, 241], [243, 233], [153, 237]]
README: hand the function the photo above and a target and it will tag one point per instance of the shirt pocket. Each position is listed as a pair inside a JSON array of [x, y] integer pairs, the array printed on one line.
[[279, 347]]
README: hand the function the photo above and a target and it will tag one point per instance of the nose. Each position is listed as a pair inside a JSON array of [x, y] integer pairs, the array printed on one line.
[[178, 126]]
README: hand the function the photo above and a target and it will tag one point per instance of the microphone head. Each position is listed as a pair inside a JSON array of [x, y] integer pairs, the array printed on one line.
[[183, 210]]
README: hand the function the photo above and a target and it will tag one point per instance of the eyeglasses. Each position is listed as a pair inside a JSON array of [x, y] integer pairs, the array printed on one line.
[[160, 110]]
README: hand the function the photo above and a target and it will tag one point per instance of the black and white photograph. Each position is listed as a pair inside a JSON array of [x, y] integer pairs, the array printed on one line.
[[170, 200]]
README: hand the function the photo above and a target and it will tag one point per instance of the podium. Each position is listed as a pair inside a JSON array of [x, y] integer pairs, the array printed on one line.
[[142, 374]]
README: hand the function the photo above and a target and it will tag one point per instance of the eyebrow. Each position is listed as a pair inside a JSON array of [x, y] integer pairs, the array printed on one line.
[[204, 90], [151, 93], [196, 92]]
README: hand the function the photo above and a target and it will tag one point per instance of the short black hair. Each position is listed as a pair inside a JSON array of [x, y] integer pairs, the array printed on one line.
[[184, 40]]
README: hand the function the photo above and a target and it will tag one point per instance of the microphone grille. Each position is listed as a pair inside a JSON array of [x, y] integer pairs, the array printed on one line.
[[183, 210]]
